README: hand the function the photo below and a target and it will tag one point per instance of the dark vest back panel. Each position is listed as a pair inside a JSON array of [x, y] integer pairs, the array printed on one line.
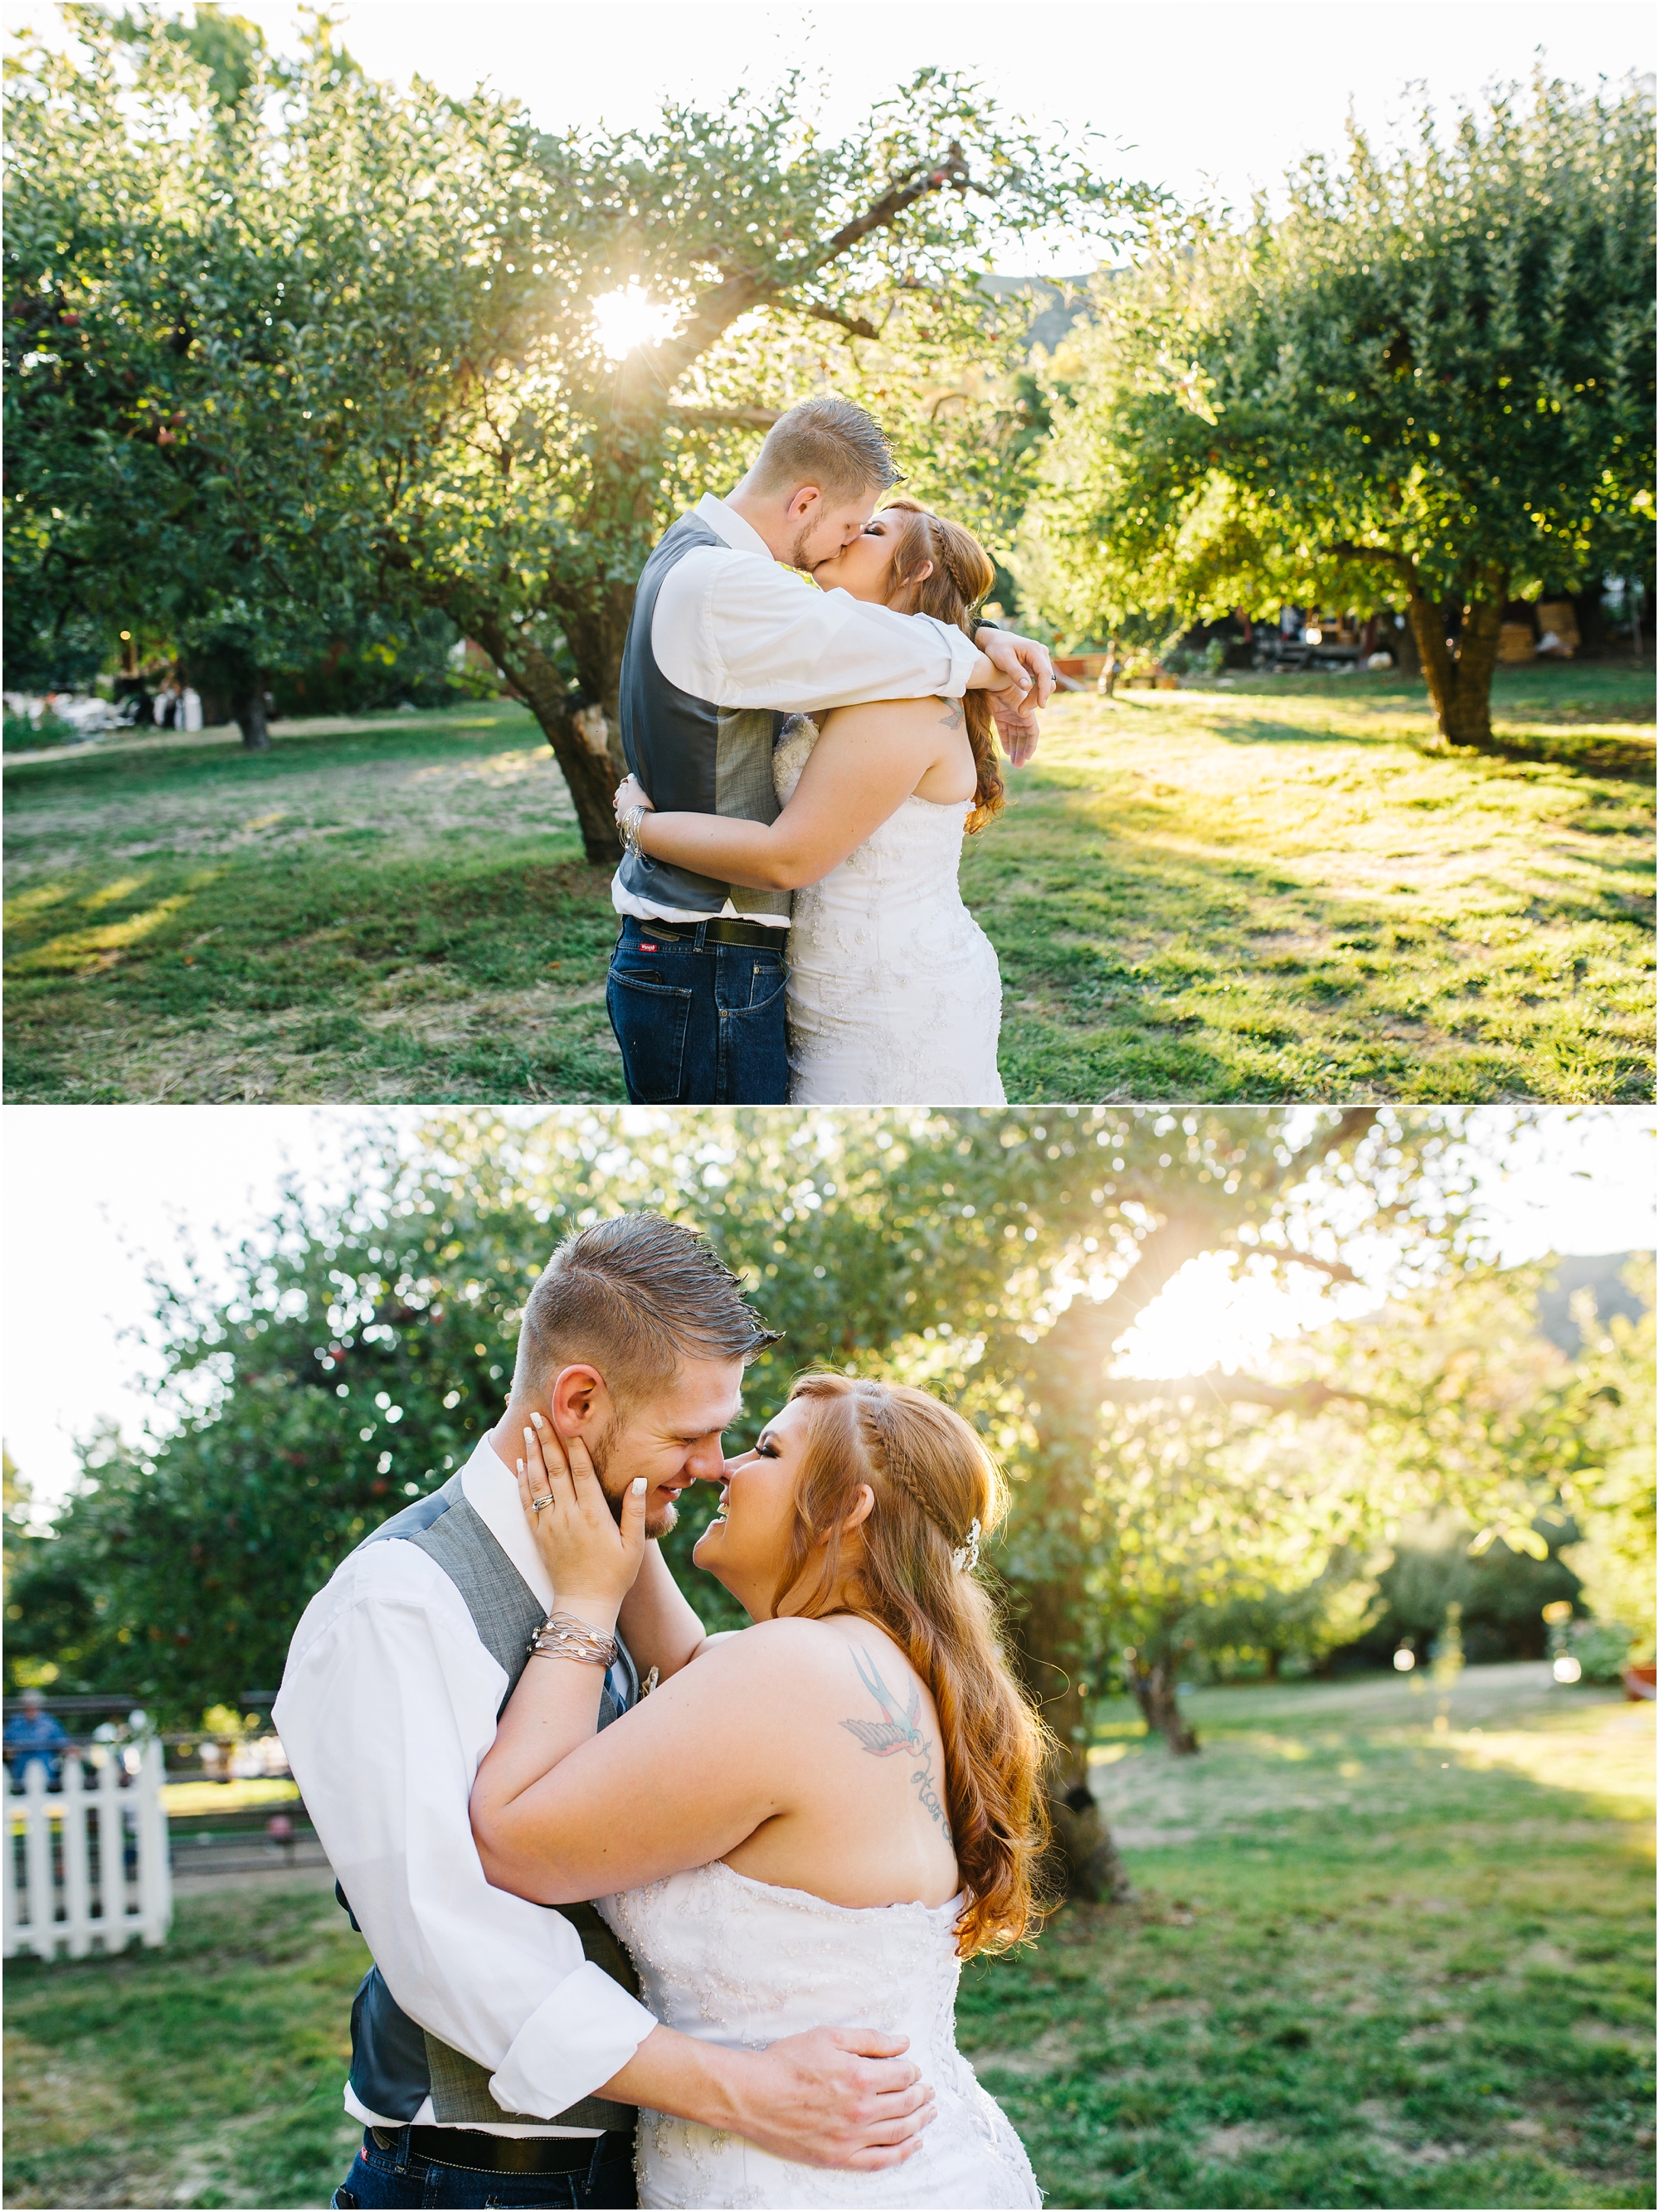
[[692, 755], [396, 2064]]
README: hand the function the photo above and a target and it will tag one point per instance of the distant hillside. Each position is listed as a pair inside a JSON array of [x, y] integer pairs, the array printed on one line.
[[1057, 302], [1597, 1273]]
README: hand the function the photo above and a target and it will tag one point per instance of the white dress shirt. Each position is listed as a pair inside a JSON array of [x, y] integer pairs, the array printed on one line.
[[388, 1707], [732, 626]]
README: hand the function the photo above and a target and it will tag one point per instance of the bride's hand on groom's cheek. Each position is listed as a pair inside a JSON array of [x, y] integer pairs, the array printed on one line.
[[591, 1560]]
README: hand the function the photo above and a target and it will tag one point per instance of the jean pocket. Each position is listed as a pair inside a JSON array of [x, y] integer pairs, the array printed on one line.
[[651, 1021], [769, 979]]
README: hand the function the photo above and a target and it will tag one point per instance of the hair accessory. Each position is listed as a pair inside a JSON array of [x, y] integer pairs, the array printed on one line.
[[965, 1558]]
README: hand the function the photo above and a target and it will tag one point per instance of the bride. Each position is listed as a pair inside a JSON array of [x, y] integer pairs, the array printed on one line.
[[814, 1820], [894, 994]]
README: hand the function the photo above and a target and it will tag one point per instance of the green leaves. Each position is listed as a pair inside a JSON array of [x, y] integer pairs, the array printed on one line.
[[1430, 376]]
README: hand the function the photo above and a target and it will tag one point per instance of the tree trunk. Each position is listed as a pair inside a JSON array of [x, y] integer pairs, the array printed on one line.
[[1052, 1624], [1459, 676], [1155, 1693], [585, 737], [250, 715], [1087, 1863], [1088, 1860]]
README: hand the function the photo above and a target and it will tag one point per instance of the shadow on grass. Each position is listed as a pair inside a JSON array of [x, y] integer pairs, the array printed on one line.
[[1303, 909], [476, 977], [1333, 932]]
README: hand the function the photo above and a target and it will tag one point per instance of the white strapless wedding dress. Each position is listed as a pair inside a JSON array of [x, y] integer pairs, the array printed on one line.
[[895, 998], [742, 1963]]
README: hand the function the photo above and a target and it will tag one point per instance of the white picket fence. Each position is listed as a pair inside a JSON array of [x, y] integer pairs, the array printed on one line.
[[55, 1897]]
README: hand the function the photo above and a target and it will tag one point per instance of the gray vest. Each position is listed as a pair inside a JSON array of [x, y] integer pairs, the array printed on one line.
[[692, 755], [395, 2064]]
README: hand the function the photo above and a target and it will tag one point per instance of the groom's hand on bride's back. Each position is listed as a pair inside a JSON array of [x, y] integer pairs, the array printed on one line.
[[835, 2096]]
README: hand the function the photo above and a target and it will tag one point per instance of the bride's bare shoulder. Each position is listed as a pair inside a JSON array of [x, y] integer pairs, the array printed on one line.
[[890, 718], [794, 1648]]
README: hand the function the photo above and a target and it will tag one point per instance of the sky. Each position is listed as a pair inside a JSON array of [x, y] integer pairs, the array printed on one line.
[[95, 1195], [1197, 93]]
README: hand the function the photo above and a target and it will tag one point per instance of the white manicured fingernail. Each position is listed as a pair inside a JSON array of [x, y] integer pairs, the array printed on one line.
[[521, 1467], [536, 1419], [638, 1486]]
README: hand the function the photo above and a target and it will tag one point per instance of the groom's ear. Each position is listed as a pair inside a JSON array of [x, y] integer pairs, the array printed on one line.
[[578, 1400]]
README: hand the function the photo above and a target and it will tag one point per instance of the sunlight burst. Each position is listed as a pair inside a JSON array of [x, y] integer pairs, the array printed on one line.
[[630, 318], [1209, 1316]]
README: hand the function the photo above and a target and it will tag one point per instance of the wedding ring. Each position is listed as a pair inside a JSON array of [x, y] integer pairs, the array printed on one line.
[[537, 1504]]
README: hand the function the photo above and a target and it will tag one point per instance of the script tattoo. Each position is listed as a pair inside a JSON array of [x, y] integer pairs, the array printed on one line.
[[895, 1732]]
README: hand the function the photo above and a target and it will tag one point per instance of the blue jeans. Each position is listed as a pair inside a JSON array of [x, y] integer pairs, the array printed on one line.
[[397, 2176], [698, 1024]]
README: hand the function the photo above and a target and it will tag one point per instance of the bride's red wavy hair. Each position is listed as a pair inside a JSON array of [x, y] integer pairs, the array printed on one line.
[[932, 1478], [958, 575]]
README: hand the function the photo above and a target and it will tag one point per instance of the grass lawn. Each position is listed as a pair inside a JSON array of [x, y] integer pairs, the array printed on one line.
[[1372, 1961], [1256, 889], [1389, 1948]]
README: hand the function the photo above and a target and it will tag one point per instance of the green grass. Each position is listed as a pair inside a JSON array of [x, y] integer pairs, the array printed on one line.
[[1273, 890], [1387, 1949], [206, 2073], [1371, 1961], [1258, 888], [391, 911]]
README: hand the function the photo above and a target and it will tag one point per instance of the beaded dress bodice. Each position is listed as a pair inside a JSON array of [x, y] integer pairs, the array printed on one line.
[[743, 1963]]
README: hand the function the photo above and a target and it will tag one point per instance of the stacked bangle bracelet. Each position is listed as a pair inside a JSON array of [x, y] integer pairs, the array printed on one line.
[[561, 1636]]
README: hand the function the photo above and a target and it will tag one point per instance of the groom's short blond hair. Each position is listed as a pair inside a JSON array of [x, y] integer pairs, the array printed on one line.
[[827, 442], [637, 1296]]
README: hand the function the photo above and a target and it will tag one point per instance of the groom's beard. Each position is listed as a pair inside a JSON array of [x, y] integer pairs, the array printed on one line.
[[600, 1452], [800, 553]]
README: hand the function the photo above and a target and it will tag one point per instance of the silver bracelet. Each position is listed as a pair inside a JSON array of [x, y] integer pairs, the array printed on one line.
[[561, 1636], [631, 828]]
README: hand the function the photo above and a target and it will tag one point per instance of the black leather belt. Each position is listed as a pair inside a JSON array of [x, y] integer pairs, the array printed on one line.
[[719, 929], [488, 2153]]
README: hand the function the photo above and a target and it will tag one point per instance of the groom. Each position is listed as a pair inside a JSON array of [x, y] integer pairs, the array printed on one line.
[[721, 644], [498, 2047]]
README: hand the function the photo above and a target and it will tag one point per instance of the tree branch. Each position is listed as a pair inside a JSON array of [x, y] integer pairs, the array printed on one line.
[[891, 205], [746, 289], [758, 418], [859, 326], [1229, 1390], [1338, 1270]]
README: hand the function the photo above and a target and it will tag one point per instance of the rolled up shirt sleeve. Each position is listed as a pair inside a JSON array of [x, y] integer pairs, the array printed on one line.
[[741, 632], [387, 1706]]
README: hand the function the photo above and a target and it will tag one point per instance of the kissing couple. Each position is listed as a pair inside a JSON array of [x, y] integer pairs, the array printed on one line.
[[833, 740], [612, 1869]]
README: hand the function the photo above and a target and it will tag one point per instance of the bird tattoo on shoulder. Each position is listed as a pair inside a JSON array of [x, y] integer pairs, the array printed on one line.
[[897, 1731]]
